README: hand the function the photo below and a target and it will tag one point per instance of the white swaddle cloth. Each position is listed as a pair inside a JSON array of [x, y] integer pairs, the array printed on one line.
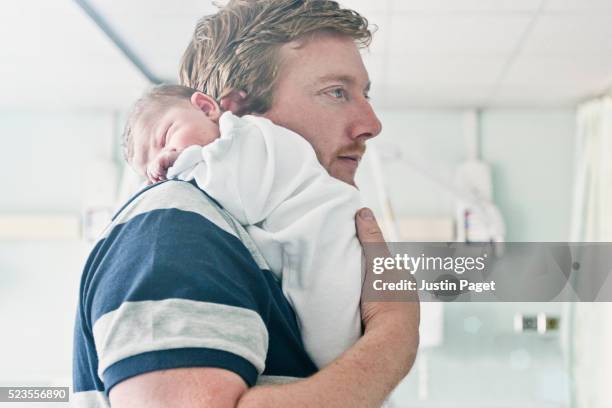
[[301, 219]]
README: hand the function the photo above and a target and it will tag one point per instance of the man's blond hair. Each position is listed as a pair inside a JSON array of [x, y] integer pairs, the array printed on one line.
[[236, 49]]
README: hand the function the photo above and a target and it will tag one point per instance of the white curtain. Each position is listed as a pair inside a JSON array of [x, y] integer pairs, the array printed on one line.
[[591, 323]]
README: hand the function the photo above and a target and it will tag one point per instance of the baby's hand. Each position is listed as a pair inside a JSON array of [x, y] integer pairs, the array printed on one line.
[[158, 167]]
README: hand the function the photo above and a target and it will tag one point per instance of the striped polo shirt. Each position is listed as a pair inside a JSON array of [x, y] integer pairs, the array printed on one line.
[[175, 281]]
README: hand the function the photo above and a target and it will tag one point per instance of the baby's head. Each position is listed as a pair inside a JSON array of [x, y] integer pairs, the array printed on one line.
[[169, 117]]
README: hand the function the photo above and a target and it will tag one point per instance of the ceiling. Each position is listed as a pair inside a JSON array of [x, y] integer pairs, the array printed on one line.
[[425, 54], [53, 57]]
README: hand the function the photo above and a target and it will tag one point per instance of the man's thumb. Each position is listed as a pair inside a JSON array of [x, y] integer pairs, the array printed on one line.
[[367, 227]]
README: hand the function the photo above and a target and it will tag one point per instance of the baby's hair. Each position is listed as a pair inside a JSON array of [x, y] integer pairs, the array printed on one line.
[[159, 97]]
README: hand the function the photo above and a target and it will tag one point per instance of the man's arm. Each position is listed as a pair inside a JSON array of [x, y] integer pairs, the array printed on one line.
[[363, 376], [180, 387]]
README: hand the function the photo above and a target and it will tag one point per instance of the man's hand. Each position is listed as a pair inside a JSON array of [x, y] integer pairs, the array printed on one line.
[[157, 169], [403, 312]]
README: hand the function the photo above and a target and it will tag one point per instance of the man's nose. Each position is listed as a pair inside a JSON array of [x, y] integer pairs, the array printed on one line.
[[366, 124]]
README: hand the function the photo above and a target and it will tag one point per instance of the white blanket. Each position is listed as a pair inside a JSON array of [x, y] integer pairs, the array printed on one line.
[[301, 218]]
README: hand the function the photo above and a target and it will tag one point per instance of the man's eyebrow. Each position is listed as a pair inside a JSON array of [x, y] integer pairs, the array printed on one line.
[[346, 79]]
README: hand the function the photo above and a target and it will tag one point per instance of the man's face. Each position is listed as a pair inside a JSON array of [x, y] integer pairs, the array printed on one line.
[[322, 94]]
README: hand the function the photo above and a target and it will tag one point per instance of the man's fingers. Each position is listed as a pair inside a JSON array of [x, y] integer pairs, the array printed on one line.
[[371, 238], [367, 227]]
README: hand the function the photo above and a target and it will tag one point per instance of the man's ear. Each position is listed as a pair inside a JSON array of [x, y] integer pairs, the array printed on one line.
[[207, 105], [233, 102]]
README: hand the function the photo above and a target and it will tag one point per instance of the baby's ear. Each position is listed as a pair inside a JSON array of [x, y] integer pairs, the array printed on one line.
[[206, 104]]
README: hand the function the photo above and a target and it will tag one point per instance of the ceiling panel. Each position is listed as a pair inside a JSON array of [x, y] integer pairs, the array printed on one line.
[[447, 35], [165, 46], [540, 96], [52, 57], [570, 34], [445, 70], [159, 36], [367, 7], [451, 6], [144, 9], [590, 6], [591, 73], [428, 95]]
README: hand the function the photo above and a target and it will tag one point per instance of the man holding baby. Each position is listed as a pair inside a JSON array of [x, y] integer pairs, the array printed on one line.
[[176, 309]]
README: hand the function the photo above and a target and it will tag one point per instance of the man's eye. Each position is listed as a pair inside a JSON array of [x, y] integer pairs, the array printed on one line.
[[338, 93]]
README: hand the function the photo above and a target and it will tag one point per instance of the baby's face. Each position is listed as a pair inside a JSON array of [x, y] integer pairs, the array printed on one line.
[[175, 128]]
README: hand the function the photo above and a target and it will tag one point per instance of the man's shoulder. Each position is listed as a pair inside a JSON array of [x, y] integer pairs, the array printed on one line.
[[169, 198], [172, 231], [182, 207], [170, 239]]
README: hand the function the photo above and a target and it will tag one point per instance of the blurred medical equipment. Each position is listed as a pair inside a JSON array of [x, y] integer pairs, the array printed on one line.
[[477, 218]]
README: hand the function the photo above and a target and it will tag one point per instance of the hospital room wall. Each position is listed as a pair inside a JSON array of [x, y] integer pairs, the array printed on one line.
[[44, 162], [480, 360], [530, 153], [43, 172]]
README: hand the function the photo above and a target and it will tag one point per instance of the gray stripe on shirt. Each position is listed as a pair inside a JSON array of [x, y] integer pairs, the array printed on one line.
[[144, 326]]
